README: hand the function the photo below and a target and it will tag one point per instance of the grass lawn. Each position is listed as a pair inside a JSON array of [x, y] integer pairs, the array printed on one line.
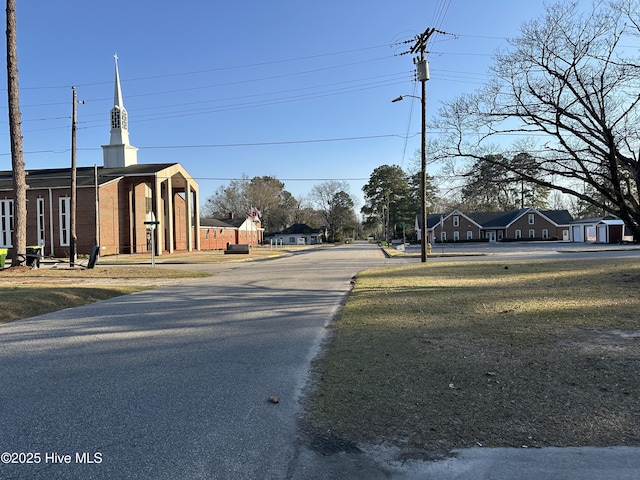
[[207, 256], [26, 293], [451, 355]]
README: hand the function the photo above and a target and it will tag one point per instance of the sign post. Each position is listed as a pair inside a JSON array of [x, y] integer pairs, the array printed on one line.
[[152, 226]]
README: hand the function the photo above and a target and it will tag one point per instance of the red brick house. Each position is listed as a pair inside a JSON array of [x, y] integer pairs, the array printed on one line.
[[525, 223], [522, 224], [113, 202]]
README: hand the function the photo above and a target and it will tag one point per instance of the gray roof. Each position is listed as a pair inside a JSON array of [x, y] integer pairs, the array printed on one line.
[[85, 176], [502, 219], [215, 222], [300, 229], [432, 220], [594, 219], [559, 217], [494, 219]]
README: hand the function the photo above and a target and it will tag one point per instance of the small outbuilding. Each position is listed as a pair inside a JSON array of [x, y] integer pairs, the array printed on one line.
[[609, 229]]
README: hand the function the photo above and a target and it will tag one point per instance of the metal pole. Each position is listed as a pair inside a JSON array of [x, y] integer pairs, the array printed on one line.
[[153, 246], [97, 200]]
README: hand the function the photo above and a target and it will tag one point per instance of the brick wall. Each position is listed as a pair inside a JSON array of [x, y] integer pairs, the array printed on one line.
[[216, 238]]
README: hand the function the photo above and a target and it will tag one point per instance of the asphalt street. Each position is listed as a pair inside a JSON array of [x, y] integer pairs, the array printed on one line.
[[203, 380], [172, 383]]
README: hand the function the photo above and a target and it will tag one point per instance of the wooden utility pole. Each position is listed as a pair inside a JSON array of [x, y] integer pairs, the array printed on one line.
[[419, 49], [19, 240], [72, 214], [422, 67]]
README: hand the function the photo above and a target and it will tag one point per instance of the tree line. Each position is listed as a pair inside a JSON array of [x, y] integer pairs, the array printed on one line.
[[392, 200], [329, 205]]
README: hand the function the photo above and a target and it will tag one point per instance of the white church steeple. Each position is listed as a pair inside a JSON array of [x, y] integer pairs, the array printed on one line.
[[119, 153]]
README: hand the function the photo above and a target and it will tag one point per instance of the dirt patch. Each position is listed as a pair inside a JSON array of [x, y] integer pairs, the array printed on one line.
[[625, 342]]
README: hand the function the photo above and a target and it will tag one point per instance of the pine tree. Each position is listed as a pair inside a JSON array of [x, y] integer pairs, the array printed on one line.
[[15, 132]]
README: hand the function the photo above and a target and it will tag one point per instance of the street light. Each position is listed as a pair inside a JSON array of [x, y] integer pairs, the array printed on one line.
[[423, 170], [422, 75], [401, 97]]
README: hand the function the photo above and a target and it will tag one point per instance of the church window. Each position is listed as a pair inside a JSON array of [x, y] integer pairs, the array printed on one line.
[[6, 222], [65, 221], [41, 221]]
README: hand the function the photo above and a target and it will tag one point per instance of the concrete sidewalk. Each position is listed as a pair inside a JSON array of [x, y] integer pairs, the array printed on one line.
[[587, 463], [620, 463]]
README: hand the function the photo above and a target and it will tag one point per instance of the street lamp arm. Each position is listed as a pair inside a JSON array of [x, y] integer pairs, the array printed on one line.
[[423, 168], [402, 97]]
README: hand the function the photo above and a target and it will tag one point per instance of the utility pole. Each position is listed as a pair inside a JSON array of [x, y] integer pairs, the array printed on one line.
[[419, 49], [422, 67], [72, 215], [72, 226]]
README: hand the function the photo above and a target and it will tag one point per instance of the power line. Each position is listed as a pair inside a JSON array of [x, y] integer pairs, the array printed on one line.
[[290, 142], [276, 143], [210, 70], [228, 145], [356, 179]]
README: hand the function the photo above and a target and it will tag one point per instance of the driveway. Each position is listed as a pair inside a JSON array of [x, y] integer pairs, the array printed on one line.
[[178, 382]]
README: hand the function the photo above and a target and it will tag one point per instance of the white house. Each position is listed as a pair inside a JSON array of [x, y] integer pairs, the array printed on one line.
[[299, 234]]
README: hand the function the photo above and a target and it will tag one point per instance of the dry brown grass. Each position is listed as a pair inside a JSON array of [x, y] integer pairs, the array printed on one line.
[[207, 256], [452, 355]]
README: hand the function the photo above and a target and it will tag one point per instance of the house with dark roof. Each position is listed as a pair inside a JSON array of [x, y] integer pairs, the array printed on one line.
[[298, 234], [525, 223], [116, 202]]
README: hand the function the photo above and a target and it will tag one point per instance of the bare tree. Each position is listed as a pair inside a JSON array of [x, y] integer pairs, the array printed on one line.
[[300, 202], [266, 194], [333, 202], [570, 83], [15, 132]]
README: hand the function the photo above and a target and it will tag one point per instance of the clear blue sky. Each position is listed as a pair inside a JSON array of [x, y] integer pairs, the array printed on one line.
[[298, 90]]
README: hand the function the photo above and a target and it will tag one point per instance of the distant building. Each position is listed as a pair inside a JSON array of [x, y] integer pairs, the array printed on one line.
[[113, 201], [522, 224], [609, 229], [219, 233], [298, 234]]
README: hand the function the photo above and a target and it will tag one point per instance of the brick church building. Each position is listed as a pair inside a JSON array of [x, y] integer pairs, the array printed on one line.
[[113, 202]]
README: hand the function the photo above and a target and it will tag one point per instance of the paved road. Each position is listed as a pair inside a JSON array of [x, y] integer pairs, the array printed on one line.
[[174, 384]]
